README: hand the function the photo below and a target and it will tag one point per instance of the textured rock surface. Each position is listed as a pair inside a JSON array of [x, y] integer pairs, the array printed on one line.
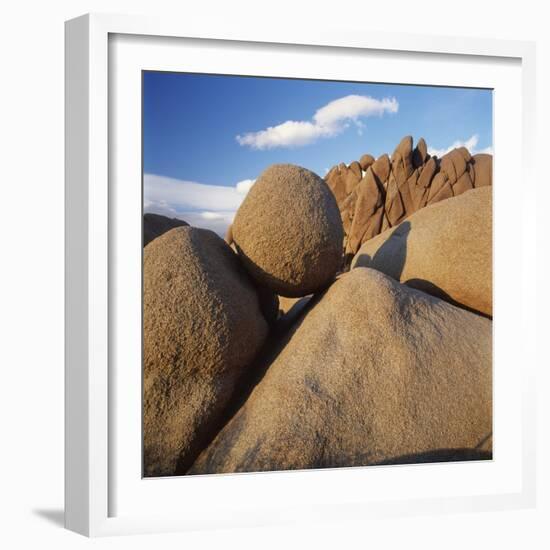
[[366, 160], [420, 153], [202, 327], [288, 231], [381, 168], [269, 301], [483, 169], [368, 211], [364, 378], [342, 181], [444, 249], [411, 180], [154, 225]]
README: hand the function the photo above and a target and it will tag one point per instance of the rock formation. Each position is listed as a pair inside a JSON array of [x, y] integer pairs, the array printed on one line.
[[269, 301], [373, 373], [288, 231], [154, 225], [262, 353], [483, 169], [444, 249], [389, 191], [202, 327]]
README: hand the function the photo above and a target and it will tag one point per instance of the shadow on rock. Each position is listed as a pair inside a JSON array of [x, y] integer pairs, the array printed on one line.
[[429, 288], [392, 254]]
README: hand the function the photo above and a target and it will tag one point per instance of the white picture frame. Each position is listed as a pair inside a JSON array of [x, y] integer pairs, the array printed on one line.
[[94, 209]]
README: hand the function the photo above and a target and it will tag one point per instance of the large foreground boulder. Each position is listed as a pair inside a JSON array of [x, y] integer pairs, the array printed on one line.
[[288, 231], [202, 327], [444, 249], [375, 372], [155, 225]]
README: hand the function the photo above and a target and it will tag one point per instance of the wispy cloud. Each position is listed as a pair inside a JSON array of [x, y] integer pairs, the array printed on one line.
[[352, 107], [200, 205], [328, 121], [470, 144]]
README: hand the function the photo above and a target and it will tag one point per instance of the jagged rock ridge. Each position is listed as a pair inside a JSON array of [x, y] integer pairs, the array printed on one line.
[[374, 195]]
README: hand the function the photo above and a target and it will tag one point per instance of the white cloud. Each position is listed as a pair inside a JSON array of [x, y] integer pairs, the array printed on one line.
[[291, 133], [244, 186], [200, 205], [212, 215], [219, 224], [328, 121], [352, 107], [470, 144]]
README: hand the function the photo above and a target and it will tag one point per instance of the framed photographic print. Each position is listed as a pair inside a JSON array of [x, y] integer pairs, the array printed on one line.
[[288, 291]]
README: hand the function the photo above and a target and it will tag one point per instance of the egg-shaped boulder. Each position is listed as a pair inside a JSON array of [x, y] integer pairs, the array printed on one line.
[[202, 327], [288, 231]]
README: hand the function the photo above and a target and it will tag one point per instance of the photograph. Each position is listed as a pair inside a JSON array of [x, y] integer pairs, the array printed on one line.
[[277, 240], [317, 274]]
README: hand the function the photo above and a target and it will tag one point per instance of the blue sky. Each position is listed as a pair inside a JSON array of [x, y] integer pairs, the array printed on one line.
[[207, 137]]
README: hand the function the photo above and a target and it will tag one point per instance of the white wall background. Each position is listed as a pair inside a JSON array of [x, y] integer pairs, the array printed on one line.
[[31, 285]]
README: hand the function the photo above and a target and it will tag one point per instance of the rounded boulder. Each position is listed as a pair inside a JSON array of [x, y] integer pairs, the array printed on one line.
[[288, 231], [202, 328]]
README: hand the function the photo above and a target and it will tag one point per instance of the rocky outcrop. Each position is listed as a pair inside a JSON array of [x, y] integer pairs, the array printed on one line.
[[288, 231], [368, 211], [155, 225], [342, 180], [374, 372], [202, 327], [444, 249], [389, 191], [483, 169], [365, 161], [263, 353]]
